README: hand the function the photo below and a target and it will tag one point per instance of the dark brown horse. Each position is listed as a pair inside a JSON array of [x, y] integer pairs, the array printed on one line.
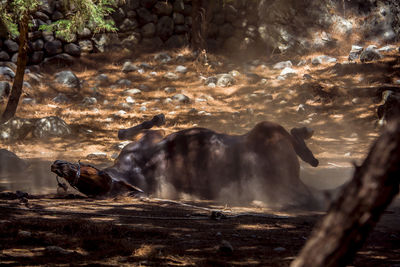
[[259, 165]]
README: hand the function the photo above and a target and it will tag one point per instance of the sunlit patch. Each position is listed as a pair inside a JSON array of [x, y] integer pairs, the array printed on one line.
[[256, 227]]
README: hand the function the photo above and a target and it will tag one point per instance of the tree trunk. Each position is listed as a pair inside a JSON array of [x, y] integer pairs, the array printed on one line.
[[339, 235], [197, 41], [201, 14], [16, 90]]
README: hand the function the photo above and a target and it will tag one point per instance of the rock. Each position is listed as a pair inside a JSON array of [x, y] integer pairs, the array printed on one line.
[[85, 33], [211, 79], [300, 108], [53, 47], [282, 65], [128, 25], [178, 18], [102, 79], [37, 45], [4, 56], [41, 16], [387, 48], [55, 250], [168, 100], [142, 108], [212, 85], [32, 36], [168, 90], [24, 234], [129, 67], [124, 82], [130, 100], [10, 163], [181, 69], [171, 76], [287, 71], [370, 54], [225, 247], [162, 8], [176, 41], [179, 6], [323, 59], [307, 76], [5, 89], [36, 57], [165, 27], [57, 15], [162, 57], [225, 80], [15, 129], [68, 79], [133, 91], [355, 52], [148, 30], [28, 101], [279, 249], [108, 41], [86, 46], [148, 3], [7, 71], [61, 99], [88, 101], [14, 58], [60, 60], [11, 46], [145, 65], [97, 155], [181, 98], [145, 16], [48, 36], [72, 49], [51, 126]]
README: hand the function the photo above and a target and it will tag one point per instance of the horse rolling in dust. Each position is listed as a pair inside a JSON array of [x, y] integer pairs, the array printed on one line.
[[259, 165]]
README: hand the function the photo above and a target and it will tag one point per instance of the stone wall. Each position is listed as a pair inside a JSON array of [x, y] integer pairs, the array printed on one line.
[[149, 24], [260, 26]]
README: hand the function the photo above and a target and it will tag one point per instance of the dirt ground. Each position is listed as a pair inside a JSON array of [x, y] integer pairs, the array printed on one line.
[[46, 229], [49, 230]]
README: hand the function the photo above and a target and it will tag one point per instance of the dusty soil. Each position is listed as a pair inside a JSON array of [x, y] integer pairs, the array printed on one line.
[[49, 229]]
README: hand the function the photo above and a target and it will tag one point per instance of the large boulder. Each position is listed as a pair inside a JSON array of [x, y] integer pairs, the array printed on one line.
[[7, 71], [162, 8], [53, 47], [11, 46], [148, 30], [165, 27], [15, 129], [10, 163], [145, 16], [225, 80], [72, 49], [370, 54], [68, 79], [52, 126], [36, 57]]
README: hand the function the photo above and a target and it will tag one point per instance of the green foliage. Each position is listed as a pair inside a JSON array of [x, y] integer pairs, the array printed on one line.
[[11, 11], [79, 14]]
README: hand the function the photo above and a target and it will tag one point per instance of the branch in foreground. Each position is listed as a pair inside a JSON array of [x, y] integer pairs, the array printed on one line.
[[339, 235]]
